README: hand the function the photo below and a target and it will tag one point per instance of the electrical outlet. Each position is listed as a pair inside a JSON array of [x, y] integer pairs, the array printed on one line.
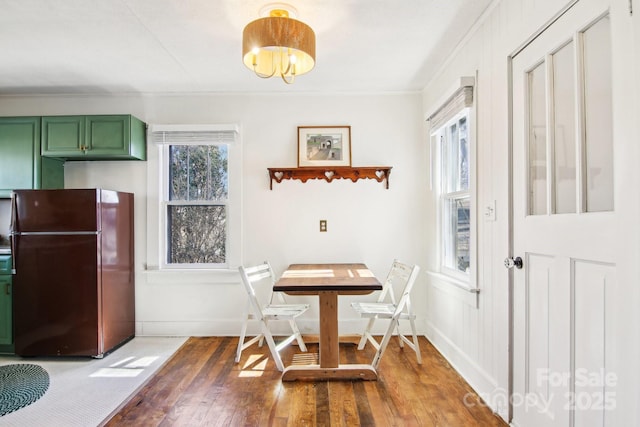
[[323, 225]]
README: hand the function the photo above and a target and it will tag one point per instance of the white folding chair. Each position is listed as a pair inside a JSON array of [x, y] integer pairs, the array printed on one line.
[[265, 313], [401, 275]]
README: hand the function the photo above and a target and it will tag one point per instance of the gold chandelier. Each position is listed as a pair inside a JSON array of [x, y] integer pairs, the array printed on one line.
[[279, 45]]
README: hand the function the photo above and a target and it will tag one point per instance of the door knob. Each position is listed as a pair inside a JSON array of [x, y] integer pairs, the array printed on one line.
[[513, 262]]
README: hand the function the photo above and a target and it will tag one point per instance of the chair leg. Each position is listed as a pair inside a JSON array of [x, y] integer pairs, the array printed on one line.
[[272, 347], [384, 343], [367, 331], [298, 335], [243, 333], [241, 342], [400, 341], [262, 339], [415, 341]]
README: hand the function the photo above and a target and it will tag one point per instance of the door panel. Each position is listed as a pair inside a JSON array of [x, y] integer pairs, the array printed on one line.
[[542, 302], [592, 294]]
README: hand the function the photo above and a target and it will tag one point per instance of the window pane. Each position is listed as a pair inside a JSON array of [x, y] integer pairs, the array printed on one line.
[[456, 157], [197, 234], [564, 131], [198, 172], [457, 234], [451, 159], [463, 155], [537, 142], [598, 118]]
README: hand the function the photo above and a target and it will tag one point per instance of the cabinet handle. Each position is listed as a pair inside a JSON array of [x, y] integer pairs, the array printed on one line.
[[8, 289]]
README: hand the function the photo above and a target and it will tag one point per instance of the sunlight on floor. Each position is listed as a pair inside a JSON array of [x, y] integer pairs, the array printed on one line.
[[133, 368], [254, 366], [116, 373], [305, 359], [142, 362]]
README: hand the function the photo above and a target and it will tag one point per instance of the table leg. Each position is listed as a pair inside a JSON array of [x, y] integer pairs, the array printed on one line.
[[329, 342]]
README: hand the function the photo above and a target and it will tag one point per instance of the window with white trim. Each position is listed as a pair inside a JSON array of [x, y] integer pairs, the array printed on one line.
[[455, 203], [199, 221], [451, 134]]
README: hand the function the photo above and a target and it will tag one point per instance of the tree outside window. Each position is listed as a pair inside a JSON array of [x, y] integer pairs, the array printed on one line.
[[197, 204]]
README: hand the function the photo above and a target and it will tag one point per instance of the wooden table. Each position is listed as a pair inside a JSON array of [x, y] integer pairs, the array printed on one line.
[[328, 281]]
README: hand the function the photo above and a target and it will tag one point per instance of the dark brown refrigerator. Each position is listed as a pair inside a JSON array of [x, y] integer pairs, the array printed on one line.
[[73, 271]]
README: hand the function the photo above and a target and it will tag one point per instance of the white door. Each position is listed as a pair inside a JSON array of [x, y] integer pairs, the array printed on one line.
[[563, 223]]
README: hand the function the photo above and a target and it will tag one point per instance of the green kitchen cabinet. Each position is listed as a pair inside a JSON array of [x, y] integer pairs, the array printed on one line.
[[6, 317], [104, 137], [21, 165]]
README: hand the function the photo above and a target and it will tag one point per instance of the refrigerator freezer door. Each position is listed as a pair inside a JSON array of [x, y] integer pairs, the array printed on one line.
[[56, 295], [70, 210]]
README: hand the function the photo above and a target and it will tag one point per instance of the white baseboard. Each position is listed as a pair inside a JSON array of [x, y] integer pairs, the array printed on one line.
[[231, 327]]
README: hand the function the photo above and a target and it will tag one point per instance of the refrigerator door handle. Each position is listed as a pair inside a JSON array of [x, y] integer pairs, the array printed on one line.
[[13, 213], [59, 233], [12, 232], [13, 253]]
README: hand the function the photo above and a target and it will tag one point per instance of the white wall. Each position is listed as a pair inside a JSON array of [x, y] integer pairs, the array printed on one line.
[[366, 222], [474, 338]]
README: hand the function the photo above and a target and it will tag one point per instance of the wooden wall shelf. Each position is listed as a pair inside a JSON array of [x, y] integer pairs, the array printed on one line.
[[379, 173]]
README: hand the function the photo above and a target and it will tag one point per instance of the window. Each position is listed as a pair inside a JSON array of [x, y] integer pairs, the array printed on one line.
[[452, 176], [199, 218]]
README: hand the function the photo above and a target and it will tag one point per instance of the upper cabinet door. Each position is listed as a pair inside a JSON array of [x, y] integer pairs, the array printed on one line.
[[63, 136], [19, 146], [116, 137], [105, 137]]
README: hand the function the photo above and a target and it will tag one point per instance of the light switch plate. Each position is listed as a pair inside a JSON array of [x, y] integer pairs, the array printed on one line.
[[490, 211]]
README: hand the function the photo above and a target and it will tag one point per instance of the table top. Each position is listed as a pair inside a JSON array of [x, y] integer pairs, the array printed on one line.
[[313, 278]]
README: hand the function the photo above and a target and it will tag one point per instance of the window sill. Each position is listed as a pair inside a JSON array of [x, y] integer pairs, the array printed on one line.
[[456, 288], [453, 281], [192, 276]]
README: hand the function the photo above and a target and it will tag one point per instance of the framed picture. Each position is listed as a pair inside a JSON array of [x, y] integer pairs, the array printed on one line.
[[320, 146]]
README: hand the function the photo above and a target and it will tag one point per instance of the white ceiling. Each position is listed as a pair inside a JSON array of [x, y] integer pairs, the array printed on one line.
[[194, 46]]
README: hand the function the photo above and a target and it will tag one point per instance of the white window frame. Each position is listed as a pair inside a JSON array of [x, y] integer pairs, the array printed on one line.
[[449, 110], [446, 196], [162, 137]]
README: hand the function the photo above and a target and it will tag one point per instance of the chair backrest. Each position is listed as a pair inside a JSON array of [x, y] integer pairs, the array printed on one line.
[[252, 275], [409, 274], [398, 276]]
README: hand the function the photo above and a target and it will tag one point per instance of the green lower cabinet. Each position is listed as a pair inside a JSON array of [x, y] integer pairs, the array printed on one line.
[[21, 165], [104, 137], [6, 313], [6, 316]]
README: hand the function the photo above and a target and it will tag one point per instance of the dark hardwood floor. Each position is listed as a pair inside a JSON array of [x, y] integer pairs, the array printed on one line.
[[202, 386]]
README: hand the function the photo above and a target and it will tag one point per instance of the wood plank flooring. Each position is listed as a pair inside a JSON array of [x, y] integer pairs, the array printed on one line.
[[202, 386]]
